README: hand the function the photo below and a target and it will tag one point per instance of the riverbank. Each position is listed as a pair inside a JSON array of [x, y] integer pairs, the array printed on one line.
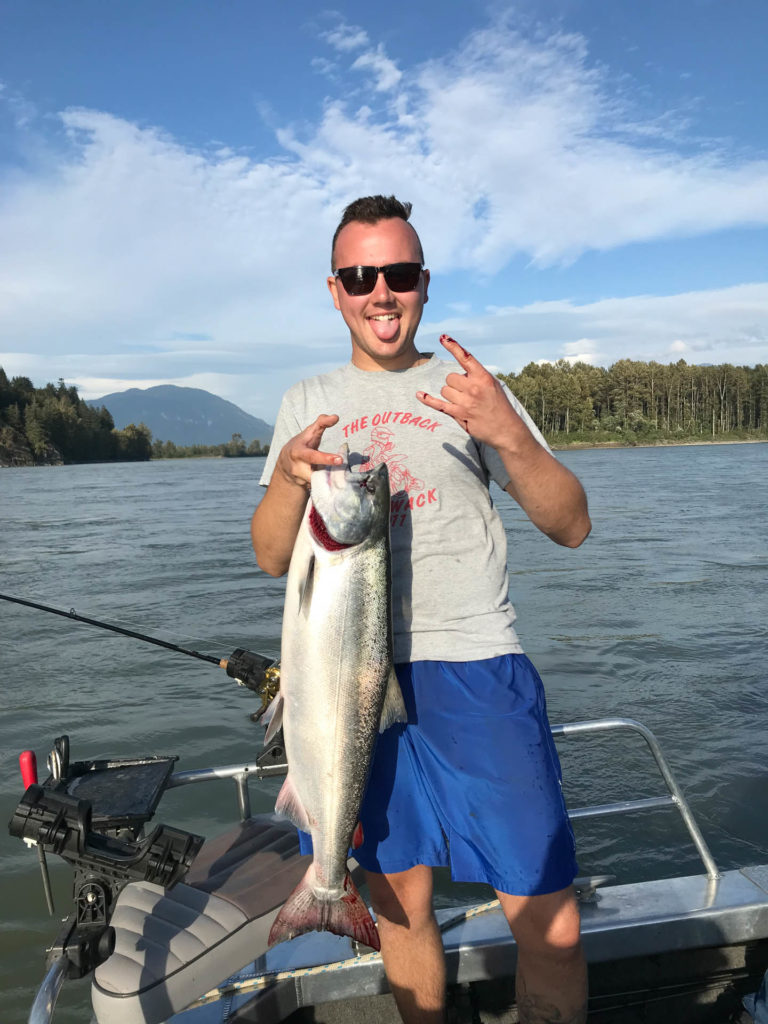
[[576, 445], [556, 446]]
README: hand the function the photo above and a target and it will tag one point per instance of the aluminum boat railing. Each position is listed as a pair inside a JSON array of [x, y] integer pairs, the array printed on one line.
[[241, 774], [674, 798]]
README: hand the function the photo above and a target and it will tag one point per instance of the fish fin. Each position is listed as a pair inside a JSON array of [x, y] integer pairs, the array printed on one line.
[[304, 912], [393, 709], [357, 836], [273, 718], [289, 803], [307, 584]]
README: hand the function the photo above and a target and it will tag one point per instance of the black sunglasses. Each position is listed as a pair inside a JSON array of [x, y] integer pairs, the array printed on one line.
[[400, 277]]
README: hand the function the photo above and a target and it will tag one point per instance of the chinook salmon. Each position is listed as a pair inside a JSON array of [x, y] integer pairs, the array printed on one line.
[[337, 689]]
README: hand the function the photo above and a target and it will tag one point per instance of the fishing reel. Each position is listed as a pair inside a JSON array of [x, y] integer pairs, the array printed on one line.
[[261, 675], [257, 673]]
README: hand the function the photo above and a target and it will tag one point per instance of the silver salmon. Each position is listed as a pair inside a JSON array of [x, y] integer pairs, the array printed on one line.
[[337, 689]]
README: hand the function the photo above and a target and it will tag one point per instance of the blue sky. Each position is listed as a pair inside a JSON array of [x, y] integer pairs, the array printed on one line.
[[589, 179]]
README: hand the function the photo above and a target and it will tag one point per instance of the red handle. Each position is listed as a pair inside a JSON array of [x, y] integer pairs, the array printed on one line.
[[28, 765]]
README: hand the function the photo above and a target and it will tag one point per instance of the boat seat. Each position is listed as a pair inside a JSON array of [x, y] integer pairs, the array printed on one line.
[[173, 945]]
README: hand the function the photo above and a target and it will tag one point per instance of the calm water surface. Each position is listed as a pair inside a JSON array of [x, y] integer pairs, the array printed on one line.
[[660, 616]]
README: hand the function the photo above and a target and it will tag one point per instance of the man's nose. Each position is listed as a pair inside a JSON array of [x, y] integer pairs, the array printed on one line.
[[381, 290]]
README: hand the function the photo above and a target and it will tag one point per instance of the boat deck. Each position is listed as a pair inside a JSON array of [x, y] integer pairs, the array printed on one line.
[[671, 950]]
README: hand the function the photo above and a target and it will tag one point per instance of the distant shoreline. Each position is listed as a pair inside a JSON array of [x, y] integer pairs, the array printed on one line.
[[556, 447], [586, 445]]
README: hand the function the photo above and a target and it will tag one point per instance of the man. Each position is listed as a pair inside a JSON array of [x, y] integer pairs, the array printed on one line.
[[473, 780]]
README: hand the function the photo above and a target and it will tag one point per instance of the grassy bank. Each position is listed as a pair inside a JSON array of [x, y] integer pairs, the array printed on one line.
[[630, 439]]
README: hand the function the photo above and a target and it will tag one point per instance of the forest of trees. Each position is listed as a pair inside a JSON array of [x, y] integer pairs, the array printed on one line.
[[235, 448], [53, 425], [629, 403], [639, 403]]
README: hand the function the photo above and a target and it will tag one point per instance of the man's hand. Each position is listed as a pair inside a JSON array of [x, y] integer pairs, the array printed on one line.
[[277, 518], [476, 400], [548, 493], [301, 453]]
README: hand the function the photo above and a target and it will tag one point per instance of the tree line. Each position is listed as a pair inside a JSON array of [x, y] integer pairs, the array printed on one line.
[[629, 402], [640, 402], [53, 425], [235, 448]]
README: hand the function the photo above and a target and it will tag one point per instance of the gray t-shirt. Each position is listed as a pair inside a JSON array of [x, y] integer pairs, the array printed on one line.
[[450, 588]]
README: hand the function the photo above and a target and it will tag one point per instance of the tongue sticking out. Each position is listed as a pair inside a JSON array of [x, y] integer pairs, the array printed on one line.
[[385, 328]]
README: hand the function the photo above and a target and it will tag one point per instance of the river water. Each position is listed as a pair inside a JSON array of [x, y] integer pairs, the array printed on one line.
[[659, 616]]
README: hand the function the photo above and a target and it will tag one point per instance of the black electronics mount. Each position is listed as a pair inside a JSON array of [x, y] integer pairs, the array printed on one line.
[[92, 814]]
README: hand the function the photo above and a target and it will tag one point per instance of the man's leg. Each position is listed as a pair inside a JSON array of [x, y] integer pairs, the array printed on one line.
[[411, 946], [551, 971]]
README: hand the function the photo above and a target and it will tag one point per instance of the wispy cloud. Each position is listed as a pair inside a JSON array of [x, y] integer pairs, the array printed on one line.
[[345, 38], [385, 71], [718, 325], [130, 256], [540, 151]]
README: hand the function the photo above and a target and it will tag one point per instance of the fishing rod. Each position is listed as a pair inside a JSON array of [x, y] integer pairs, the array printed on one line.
[[252, 670], [248, 669]]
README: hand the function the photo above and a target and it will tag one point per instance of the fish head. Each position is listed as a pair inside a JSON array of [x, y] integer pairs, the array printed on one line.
[[348, 506]]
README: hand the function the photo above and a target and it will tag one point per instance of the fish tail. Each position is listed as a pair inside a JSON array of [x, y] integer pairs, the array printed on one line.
[[304, 912]]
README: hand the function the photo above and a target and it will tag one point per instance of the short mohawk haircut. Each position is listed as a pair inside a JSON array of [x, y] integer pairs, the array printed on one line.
[[370, 210]]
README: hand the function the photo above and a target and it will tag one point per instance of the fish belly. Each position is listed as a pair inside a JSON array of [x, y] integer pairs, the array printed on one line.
[[334, 670]]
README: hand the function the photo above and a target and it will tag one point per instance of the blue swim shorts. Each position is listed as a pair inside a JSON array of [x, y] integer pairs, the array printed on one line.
[[472, 782]]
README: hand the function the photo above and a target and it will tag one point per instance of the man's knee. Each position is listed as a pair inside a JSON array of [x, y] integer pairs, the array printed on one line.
[[404, 898], [548, 925]]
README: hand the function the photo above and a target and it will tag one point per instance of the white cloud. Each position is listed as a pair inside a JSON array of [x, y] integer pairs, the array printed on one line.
[[386, 72], [539, 152], [584, 350], [324, 66], [222, 384], [724, 325], [128, 256], [346, 37], [717, 326]]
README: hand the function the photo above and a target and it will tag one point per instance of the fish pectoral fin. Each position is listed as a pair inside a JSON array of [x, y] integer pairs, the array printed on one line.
[[289, 803], [307, 584], [273, 718], [393, 709]]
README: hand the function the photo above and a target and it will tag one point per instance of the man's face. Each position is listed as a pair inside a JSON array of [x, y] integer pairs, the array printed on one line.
[[382, 324]]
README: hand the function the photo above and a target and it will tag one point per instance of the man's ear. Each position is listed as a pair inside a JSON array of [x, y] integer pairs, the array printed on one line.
[[333, 288], [426, 286]]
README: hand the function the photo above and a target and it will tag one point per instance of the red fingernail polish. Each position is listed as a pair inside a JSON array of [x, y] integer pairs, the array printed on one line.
[[447, 337]]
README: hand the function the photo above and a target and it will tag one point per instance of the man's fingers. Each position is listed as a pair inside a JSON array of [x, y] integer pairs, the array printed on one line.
[[430, 400], [440, 404], [458, 351], [456, 412], [321, 424], [317, 458], [313, 435], [458, 384]]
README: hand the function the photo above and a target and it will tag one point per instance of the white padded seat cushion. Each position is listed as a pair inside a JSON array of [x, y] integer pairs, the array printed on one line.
[[172, 946], [159, 932]]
